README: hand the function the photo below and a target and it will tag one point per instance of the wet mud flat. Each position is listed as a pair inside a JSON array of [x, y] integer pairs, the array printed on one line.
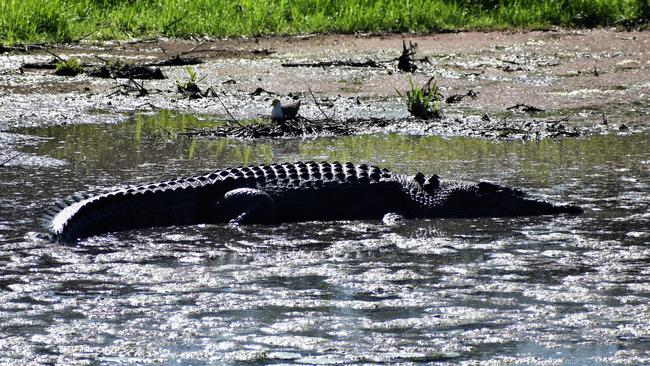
[[497, 85]]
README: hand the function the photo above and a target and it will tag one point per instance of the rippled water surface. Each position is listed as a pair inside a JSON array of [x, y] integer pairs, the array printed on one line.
[[541, 290]]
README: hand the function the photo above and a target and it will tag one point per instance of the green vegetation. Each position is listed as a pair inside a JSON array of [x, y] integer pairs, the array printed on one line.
[[71, 20], [190, 86], [423, 102], [70, 67]]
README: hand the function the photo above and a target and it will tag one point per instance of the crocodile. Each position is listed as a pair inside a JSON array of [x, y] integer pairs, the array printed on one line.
[[287, 192]]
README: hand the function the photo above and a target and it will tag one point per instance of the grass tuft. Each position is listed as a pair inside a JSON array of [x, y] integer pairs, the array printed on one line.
[[190, 86], [423, 102], [70, 67]]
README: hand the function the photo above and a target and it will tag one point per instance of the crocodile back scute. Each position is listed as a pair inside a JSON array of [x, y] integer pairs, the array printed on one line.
[[302, 174], [179, 199]]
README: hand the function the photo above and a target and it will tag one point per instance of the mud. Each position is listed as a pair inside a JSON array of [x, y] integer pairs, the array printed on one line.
[[576, 83]]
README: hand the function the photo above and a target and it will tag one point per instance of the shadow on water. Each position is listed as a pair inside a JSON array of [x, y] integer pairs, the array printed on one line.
[[516, 290]]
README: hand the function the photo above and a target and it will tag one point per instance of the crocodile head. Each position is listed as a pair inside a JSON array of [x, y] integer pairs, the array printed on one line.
[[483, 199]]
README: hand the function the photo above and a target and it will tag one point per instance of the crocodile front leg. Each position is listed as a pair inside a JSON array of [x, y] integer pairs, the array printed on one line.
[[248, 206]]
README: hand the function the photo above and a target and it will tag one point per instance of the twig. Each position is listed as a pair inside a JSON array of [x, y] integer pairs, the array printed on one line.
[[151, 105], [194, 49], [259, 91], [101, 59], [226, 108], [142, 91], [350, 63], [318, 105], [526, 108], [10, 159], [405, 62], [53, 54]]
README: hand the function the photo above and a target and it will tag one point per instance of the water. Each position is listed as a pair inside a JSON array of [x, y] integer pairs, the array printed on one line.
[[540, 290]]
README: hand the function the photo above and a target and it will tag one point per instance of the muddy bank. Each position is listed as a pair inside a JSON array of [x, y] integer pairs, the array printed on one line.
[[526, 85]]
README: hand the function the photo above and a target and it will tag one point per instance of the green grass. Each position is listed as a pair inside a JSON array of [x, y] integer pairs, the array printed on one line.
[[70, 67], [28, 21], [190, 85], [423, 102]]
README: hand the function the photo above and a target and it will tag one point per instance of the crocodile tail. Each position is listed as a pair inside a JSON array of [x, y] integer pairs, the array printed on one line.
[[80, 216], [56, 209]]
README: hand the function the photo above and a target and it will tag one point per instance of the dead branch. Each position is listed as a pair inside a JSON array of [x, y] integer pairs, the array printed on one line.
[[405, 60], [318, 105], [10, 159], [525, 108], [337, 63], [53, 54], [259, 91], [455, 98], [232, 118], [131, 86]]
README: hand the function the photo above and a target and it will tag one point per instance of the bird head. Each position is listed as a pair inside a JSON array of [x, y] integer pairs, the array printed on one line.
[[276, 113]]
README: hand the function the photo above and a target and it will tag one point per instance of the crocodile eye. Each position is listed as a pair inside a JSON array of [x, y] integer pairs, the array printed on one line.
[[432, 183], [419, 177]]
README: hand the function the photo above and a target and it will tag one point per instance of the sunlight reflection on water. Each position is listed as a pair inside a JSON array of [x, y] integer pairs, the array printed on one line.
[[517, 290]]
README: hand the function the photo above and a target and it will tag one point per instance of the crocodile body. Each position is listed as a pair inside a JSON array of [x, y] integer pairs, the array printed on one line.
[[268, 194]]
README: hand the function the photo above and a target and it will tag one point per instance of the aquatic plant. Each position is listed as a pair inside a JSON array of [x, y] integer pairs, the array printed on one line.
[[423, 102], [190, 86], [69, 67]]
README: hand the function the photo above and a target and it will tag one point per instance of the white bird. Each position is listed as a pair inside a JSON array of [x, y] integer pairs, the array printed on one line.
[[281, 113]]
